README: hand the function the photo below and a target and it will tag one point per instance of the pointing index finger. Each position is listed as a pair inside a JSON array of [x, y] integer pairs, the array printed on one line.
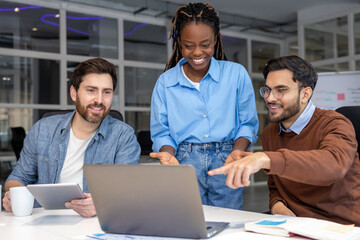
[[221, 170]]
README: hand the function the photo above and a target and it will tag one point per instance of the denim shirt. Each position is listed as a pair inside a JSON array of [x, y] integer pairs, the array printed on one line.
[[45, 146]]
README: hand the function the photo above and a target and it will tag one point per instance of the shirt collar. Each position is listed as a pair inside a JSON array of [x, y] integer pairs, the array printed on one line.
[[104, 127], [66, 125], [301, 121], [214, 72], [102, 130]]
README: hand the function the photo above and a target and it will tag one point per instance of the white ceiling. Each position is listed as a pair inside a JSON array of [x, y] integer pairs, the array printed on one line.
[[278, 11]]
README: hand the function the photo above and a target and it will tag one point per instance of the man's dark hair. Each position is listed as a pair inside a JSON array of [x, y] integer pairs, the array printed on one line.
[[302, 70], [94, 65], [197, 13]]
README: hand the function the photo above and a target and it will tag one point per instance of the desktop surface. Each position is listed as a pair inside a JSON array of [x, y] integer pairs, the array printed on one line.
[[66, 224]]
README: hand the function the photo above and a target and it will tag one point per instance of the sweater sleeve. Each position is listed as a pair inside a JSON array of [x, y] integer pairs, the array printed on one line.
[[323, 165], [274, 195]]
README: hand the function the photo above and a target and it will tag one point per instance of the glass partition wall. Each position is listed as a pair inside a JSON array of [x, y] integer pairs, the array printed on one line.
[[332, 44], [41, 45], [356, 29]]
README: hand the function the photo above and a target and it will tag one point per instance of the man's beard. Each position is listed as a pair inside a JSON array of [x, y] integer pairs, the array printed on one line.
[[288, 112], [91, 117]]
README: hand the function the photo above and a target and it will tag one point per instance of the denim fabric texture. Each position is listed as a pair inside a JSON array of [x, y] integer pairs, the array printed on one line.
[[45, 146], [205, 157]]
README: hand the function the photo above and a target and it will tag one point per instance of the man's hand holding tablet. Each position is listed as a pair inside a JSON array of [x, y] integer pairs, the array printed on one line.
[[63, 195], [84, 207]]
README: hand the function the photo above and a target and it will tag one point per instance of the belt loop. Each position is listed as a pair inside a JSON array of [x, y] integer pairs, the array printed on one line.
[[188, 147], [217, 148]]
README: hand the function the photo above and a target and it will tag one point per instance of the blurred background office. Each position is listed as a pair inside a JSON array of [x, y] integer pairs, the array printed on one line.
[[41, 43]]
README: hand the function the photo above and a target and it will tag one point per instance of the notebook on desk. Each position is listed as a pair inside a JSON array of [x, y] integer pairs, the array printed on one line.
[[149, 200]]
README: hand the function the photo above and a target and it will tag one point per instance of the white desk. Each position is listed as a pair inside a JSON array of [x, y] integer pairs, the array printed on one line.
[[66, 224]]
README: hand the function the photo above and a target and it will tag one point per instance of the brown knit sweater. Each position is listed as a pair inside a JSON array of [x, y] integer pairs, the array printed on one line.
[[316, 173]]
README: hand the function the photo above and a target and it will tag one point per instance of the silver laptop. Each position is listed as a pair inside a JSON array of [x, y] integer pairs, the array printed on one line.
[[149, 200]]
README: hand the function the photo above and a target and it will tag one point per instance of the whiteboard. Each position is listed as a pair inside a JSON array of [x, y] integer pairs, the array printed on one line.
[[334, 90]]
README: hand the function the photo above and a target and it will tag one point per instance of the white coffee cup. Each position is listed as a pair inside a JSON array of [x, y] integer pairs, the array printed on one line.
[[22, 201]]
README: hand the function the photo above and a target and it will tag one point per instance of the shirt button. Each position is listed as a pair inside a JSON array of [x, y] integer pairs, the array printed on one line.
[[206, 135], [204, 115]]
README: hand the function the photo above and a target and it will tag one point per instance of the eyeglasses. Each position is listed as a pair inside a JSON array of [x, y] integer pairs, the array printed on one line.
[[278, 93]]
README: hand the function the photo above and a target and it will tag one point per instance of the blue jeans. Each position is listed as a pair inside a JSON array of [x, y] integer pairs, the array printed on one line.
[[205, 157]]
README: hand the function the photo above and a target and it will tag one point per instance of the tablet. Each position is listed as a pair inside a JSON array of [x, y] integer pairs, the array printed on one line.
[[54, 196]]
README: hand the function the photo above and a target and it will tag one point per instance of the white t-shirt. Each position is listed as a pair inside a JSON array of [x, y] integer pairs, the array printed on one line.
[[72, 171], [195, 84]]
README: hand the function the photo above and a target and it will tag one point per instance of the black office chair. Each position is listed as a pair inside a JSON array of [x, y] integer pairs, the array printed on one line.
[[17, 140], [353, 114], [114, 113], [145, 142]]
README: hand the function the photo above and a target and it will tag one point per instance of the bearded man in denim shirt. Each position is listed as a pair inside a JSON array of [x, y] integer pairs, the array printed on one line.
[[57, 147]]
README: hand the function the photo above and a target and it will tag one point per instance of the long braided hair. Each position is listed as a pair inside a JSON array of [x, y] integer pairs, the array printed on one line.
[[198, 13]]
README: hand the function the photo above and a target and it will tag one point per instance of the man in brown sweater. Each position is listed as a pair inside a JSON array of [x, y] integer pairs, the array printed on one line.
[[310, 154]]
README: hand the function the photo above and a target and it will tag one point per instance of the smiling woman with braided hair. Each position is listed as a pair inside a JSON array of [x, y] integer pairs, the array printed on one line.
[[203, 107]]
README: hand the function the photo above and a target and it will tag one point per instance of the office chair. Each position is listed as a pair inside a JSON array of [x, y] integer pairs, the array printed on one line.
[[145, 142], [114, 113], [353, 114], [17, 140]]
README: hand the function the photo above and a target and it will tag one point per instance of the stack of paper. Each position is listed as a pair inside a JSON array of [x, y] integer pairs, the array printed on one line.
[[307, 227]]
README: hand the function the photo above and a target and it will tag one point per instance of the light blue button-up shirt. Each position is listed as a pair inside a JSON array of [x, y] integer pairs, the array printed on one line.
[[224, 108], [301, 121], [45, 146]]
